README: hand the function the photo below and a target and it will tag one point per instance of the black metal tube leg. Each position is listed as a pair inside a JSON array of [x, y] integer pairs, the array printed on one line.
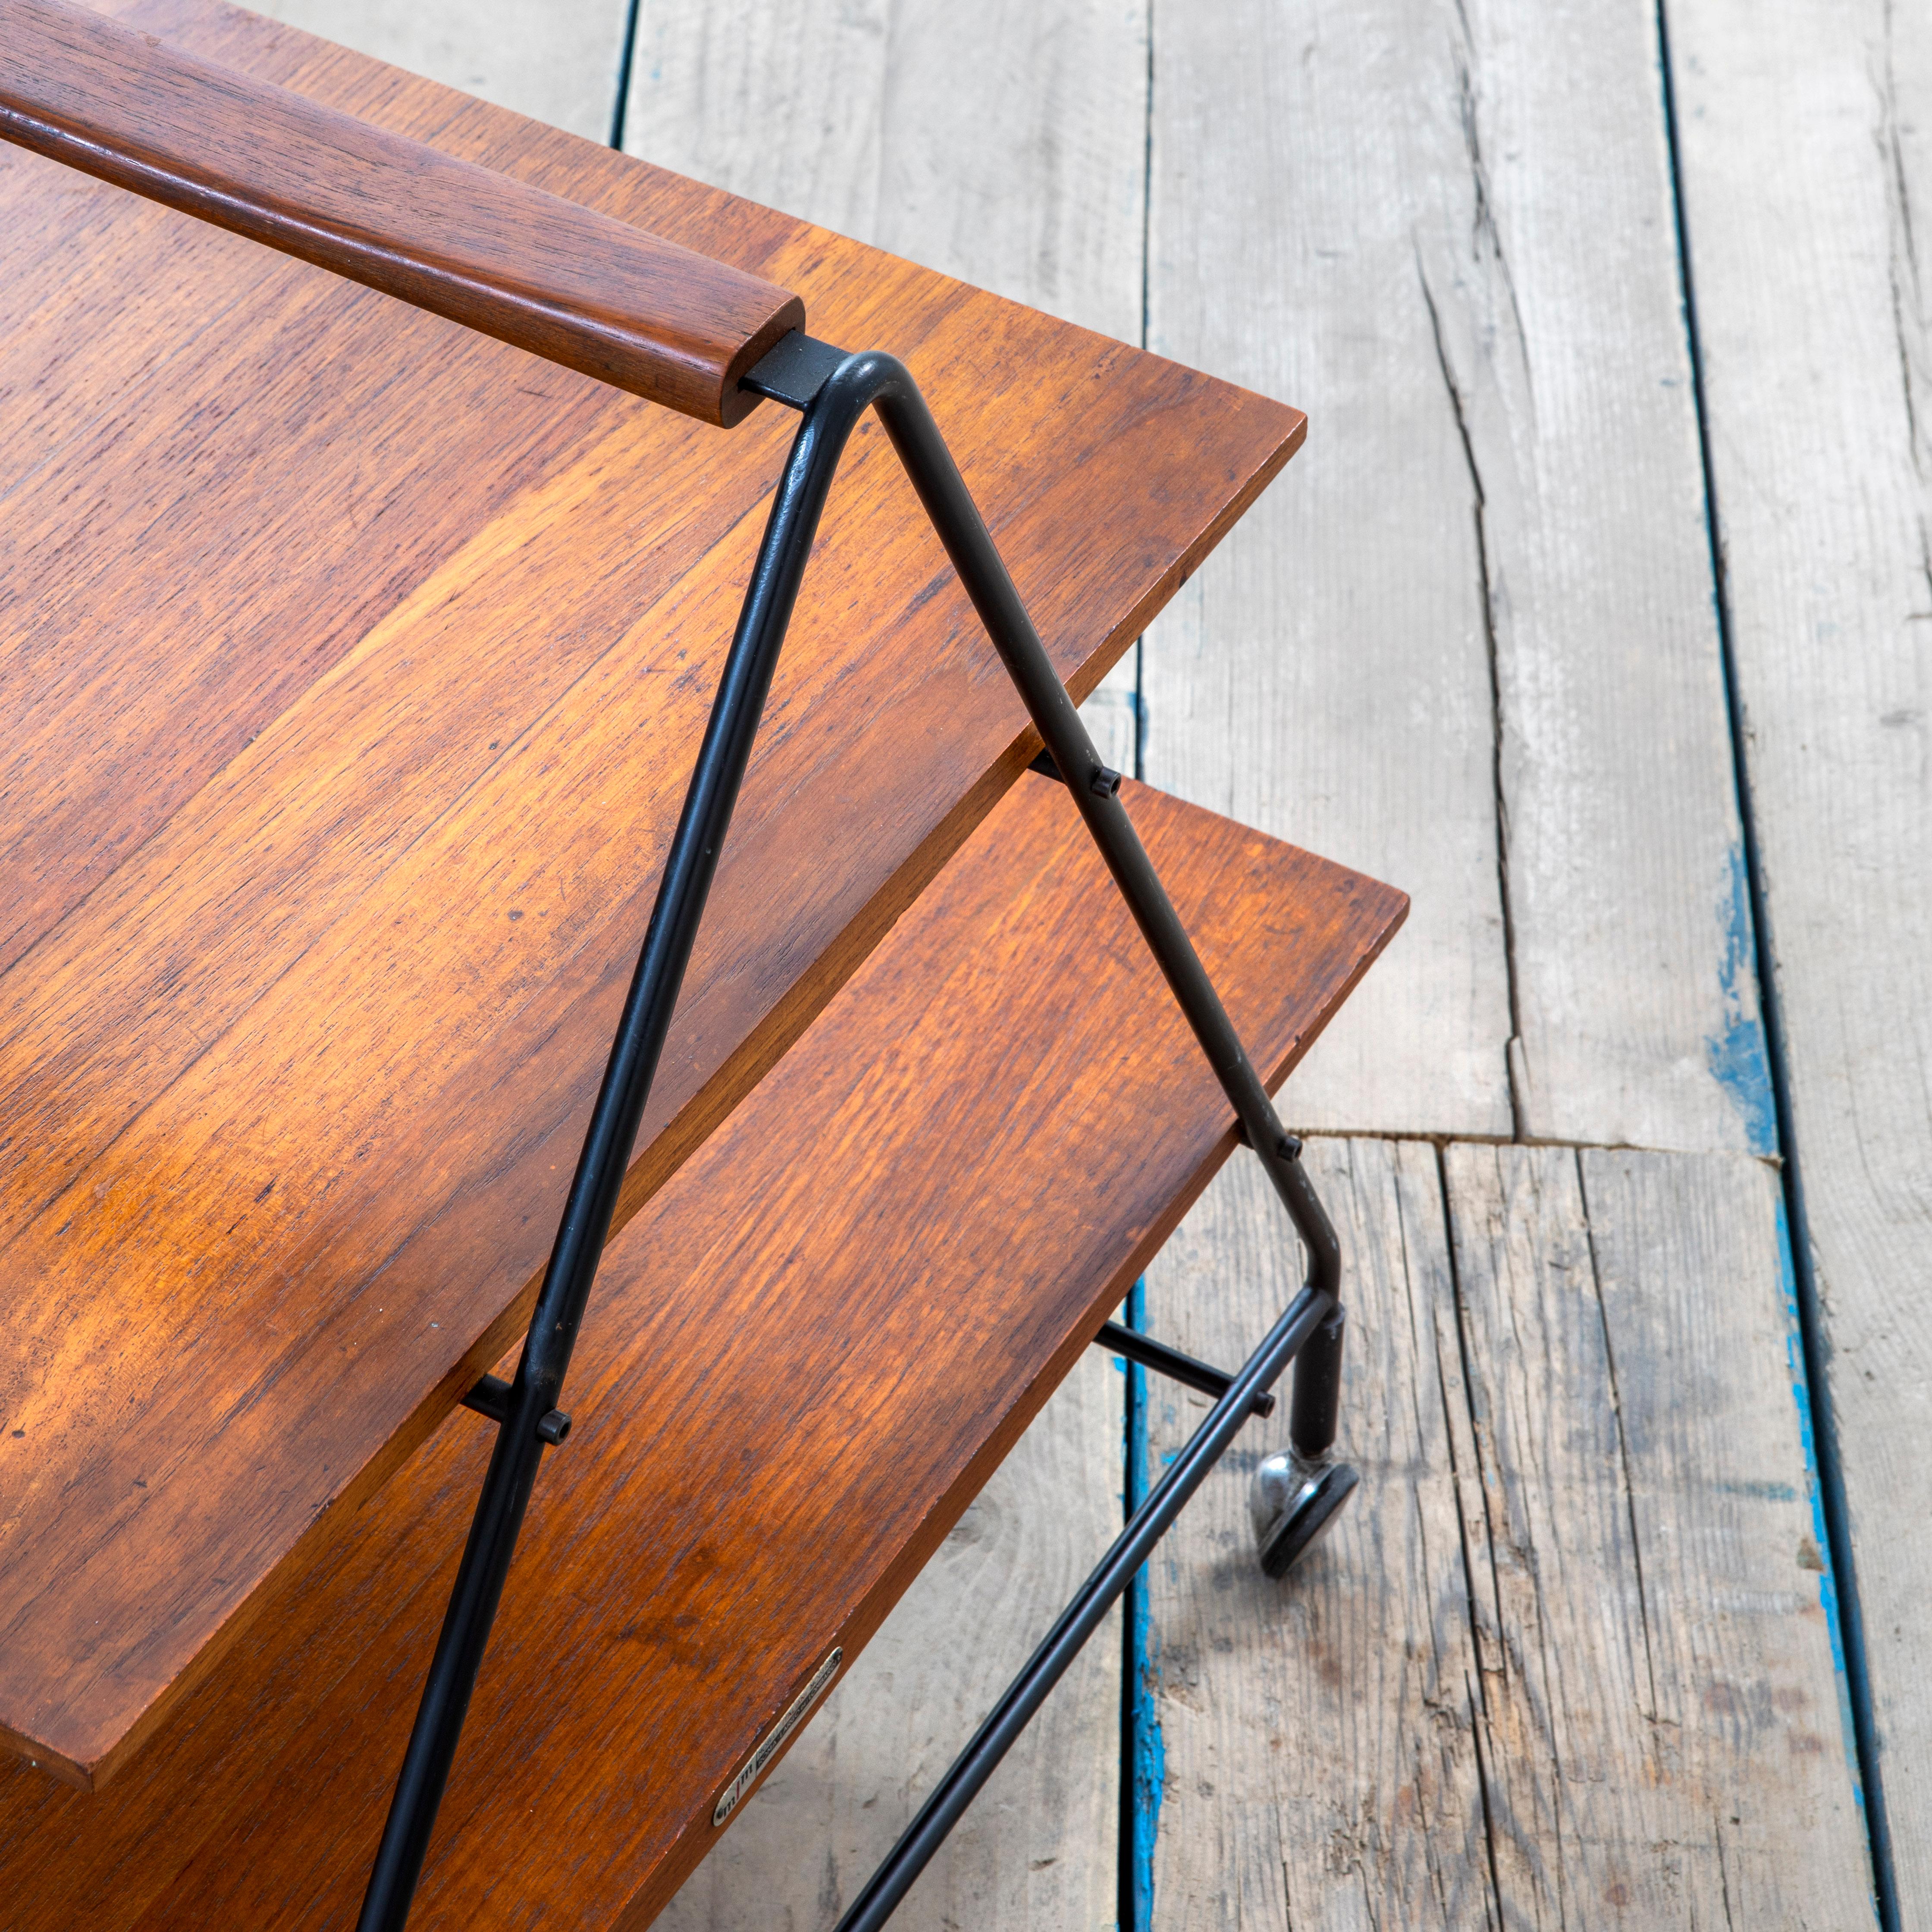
[[1315, 1412], [528, 1423], [834, 391], [1095, 792], [805, 374]]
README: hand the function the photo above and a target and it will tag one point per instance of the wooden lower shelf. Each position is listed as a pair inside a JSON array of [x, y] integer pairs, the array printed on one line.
[[804, 1358]]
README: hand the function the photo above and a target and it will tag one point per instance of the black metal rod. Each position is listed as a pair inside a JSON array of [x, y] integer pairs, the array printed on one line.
[[1008, 1717], [961, 530], [1177, 1367], [490, 1397], [832, 407], [1316, 1410], [586, 1223]]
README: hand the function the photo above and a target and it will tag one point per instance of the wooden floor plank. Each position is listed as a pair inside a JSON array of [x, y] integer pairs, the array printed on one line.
[[558, 62], [1332, 674], [1663, 1736], [1617, 1669], [1005, 145], [1319, 1736], [1562, 332], [1807, 157], [1446, 229], [1740, 1618]]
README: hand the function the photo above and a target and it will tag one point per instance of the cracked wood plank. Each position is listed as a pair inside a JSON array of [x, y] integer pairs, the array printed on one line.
[[1806, 152], [1006, 145], [1330, 675], [1566, 1660], [1663, 1736], [558, 62], [1470, 645], [1320, 1736]]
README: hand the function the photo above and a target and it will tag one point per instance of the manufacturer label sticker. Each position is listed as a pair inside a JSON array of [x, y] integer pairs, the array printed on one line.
[[768, 1746]]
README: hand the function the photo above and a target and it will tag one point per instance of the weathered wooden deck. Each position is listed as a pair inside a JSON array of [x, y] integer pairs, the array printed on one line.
[[1587, 1650]]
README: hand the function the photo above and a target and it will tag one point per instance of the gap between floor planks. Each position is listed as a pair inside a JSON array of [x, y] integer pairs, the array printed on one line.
[[1804, 171]]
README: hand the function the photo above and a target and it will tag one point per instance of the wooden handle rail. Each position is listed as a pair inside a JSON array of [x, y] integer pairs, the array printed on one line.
[[577, 287]]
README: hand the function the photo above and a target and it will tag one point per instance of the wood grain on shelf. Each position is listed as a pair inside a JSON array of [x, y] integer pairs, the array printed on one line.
[[364, 659], [806, 1355]]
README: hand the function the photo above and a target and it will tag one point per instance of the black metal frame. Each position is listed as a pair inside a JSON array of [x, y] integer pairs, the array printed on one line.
[[833, 390]]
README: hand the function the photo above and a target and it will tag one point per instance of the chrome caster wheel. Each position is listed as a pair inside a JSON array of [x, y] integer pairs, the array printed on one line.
[[1292, 1502]]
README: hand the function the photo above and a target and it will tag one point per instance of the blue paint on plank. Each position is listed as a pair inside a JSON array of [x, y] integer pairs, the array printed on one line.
[[1827, 1586], [1736, 1055], [1145, 1770]]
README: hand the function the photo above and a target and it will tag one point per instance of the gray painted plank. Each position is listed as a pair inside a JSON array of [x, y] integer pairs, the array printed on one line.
[[1705, 1365], [1446, 232], [556, 62], [1329, 681], [1807, 154], [1605, 1697], [1006, 145]]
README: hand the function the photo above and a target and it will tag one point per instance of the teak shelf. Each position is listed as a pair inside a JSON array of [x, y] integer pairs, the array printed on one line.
[[365, 661], [796, 1373]]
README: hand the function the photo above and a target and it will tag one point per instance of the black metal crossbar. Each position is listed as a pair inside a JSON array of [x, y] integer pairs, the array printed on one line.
[[833, 390], [1076, 1623], [1173, 1364]]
